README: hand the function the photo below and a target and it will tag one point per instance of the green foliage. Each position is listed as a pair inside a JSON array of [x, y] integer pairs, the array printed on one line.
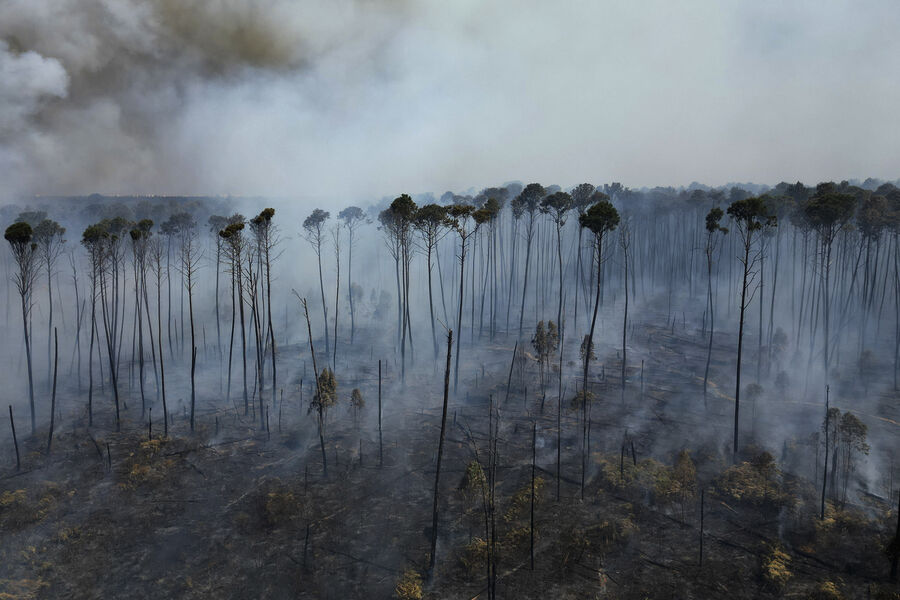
[[577, 401], [19, 234], [141, 231], [19, 508], [146, 466], [752, 214], [584, 346], [545, 341], [232, 231], [754, 482], [312, 225], [326, 395], [663, 483], [840, 524], [853, 433], [609, 533], [557, 205], [356, 399], [581, 197], [48, 232], [474, 556], [473, 481], [403, 208], [529, 200], [520, 505], [713, 220], [573, 543], [600, 218], [409, 585], [826, 590], [431, 218], [684, 477], [828, 211], [315, 219], [775, 568]]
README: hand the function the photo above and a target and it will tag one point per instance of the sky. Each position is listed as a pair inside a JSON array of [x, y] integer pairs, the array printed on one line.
[[338, 99]]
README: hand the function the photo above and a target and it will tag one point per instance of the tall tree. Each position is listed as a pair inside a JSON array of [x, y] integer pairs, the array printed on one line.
[[465, 219], [581, 200], [600, 219], [440, 454], [353, 217], [713, 227], [216, 224], [828, 212], [140, 235], [92, 240], [189, 259], [48, 235], [431, 223], [751, 216], [625, 242], [558, 205], [266, 235], [111, 260], [235, 250], [25, 253], [527, 204], [314, 227], [398, 221], [336, 241], [156, 265]]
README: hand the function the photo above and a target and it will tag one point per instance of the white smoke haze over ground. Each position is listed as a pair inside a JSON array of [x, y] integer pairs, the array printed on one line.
[[362, 98]]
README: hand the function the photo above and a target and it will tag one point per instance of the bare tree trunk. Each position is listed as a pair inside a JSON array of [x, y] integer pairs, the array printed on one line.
[[437, 473], [91, 347], [322, 290], [337, 294], [528, 238], [28, 359], [380, 438], [12, 425], [53, 393], [431, 302], [159, 341], [218, 321], [321, 422], [462, 280], [737, 385], [587, 359], [533, 459], [269, 315], [896, 558], [825, 470], [625, 242]]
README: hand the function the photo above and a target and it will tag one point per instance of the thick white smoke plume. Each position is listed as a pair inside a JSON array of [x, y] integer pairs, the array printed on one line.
[[338, 98]]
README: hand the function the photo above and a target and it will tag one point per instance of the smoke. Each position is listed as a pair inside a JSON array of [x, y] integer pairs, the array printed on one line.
[[350, 98]]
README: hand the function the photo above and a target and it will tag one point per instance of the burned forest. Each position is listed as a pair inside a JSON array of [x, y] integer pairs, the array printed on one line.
[[469, 300], [527, 391]]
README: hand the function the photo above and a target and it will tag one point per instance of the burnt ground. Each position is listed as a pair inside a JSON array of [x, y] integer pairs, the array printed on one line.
[[234, 511]]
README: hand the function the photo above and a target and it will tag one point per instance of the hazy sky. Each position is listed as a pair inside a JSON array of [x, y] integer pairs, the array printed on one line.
[[349, 98]]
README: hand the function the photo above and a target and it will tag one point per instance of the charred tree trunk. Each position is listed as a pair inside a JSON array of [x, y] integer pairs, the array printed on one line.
[[12, 426], [437, 473], [53, 392]]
